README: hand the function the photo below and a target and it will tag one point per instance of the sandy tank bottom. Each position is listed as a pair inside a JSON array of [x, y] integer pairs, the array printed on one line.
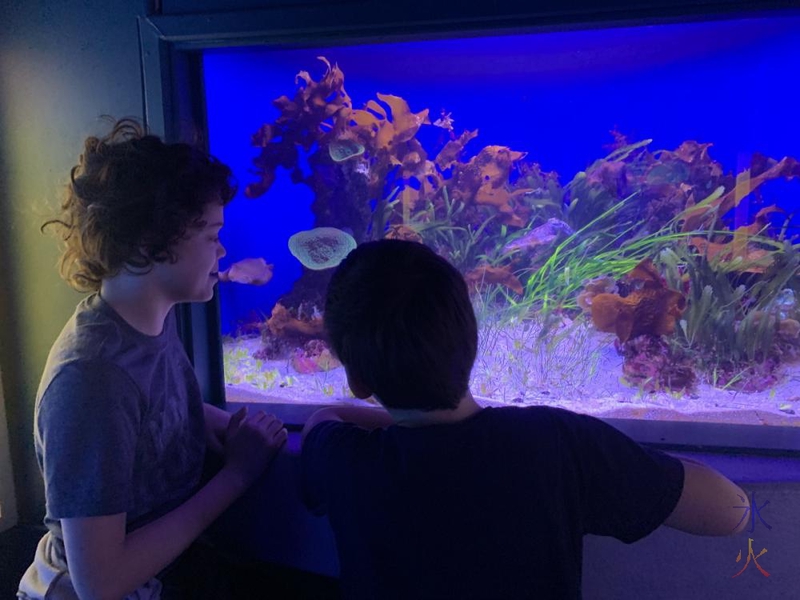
[[580, 370]]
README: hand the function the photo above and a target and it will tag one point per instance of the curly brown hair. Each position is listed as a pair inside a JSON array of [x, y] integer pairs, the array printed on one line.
[[130, 199]]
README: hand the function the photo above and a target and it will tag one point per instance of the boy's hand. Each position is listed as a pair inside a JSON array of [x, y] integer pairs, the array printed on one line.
[[251, 442]]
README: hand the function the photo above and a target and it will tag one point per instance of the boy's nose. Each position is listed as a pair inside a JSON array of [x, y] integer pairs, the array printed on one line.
[[221, 251]]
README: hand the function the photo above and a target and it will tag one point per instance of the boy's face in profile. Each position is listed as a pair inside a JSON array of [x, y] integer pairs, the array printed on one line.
[[192, 277]]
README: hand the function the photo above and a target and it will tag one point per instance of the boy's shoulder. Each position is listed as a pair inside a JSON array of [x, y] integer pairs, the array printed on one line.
[[90, 333], [95, 337], [536, 416], [540, 423]]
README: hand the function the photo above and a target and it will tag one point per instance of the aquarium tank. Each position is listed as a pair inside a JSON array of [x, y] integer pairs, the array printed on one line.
[[621, 201]]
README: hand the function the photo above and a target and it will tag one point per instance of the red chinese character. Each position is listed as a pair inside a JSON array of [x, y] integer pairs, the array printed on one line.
[[749, 554]]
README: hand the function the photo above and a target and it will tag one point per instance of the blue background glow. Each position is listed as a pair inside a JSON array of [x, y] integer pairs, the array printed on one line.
[[554, 95]]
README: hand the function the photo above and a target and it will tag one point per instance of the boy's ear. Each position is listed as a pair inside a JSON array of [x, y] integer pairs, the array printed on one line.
[[359, 389]]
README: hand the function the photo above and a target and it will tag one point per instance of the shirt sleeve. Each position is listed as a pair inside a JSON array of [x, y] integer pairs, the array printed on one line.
[[626, 490], [322, 455], [87, 422]]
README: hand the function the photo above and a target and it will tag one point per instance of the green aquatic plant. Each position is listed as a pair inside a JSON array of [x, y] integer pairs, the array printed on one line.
[[666, 182], [762, 169], [596, 190], [733, 319], [588, 253], [516, 361], [351, 157], [604, 247], [463, 244], [239, 366], [545, 196], [382, 214]]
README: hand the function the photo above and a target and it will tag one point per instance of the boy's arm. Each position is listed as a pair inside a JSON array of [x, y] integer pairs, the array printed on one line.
[[105, 562], [710, 503], [216, 421], [364, 417]]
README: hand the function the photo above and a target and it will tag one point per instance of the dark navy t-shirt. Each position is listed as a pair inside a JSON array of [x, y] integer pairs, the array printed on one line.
[[495, 506]]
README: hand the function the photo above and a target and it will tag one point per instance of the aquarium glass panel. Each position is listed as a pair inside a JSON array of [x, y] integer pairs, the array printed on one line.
[[621, 201]]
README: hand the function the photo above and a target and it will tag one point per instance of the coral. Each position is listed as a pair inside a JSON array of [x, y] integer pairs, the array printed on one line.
[[738, 326], [388, 132], [762, 169], [789, 329], [650, 308], [370, 174], [664, 182], [485, 274], [272, 347], [738, 255], [282, 323], [403, 232], [544, 198], [313, 357], [499, 218], [315, 113], [483, 181], [344, 149], [741, 250], [321, 248], [651, 365], [753, 377], [451, 153], [605, 284], [317, 122]]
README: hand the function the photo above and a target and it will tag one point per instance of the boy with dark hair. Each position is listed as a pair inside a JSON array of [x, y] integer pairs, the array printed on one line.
[[436, 497], [121, 430]]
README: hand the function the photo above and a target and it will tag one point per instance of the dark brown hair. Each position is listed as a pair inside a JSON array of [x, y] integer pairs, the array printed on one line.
[[399, 318], [130, 199]]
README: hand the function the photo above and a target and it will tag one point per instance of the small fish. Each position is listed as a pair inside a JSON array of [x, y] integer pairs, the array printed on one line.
[[445, 121], [539, 236], [344, 149], [251, 271]]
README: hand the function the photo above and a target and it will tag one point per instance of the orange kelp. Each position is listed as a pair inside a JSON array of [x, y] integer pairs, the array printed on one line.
[[651, 308], [371, 175], [762, 169]]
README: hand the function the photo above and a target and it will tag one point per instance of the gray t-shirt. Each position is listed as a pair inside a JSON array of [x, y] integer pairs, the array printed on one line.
[[119, 422]]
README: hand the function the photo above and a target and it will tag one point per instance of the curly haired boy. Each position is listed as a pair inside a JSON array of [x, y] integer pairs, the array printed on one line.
[[121, 430]]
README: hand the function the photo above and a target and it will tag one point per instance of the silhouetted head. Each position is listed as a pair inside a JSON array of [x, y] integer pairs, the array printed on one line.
[[130, 199], [399, 318]]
